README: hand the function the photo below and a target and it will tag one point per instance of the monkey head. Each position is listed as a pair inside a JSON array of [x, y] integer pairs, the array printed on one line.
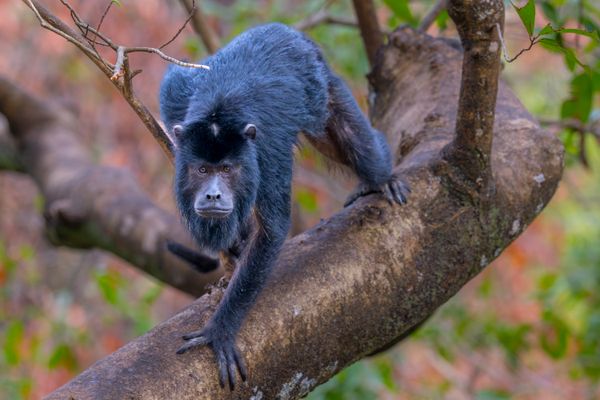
[[216, 178]]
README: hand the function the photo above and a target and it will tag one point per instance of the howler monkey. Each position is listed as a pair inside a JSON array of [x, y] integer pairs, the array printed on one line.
[[235, 127]]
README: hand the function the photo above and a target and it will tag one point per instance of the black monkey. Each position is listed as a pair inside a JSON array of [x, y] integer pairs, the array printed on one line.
[[235, 127]]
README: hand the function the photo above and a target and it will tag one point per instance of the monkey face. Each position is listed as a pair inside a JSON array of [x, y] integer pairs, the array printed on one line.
[[211, 184], [215, 184]]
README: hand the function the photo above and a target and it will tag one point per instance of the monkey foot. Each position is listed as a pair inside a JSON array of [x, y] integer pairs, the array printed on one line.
[[395, 190], [226, 352]]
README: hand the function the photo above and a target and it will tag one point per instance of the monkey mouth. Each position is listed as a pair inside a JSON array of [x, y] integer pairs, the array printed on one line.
[[213, 212]]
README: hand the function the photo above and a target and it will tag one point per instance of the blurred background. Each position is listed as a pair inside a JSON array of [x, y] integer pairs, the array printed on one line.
[[528, 327]]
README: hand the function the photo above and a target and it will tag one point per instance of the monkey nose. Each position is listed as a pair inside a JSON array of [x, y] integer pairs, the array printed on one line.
[[213, 196]]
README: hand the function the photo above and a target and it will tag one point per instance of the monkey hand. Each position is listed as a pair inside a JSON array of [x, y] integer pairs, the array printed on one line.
[[222, 341], [395, 190]]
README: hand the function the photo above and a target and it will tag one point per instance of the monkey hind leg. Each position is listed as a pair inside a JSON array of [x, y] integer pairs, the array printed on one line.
[[350, 139]]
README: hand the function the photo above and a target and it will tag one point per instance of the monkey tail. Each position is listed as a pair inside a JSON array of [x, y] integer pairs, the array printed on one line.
[[197, 261]]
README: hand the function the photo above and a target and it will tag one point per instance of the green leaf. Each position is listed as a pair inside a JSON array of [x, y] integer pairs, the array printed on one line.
[[117, 2], [579, 105], [307, 200], [401, 10], [547, 30], [527, 15], [13, 338], [488, 394], [63, 356], [595, 35], [570, 57], [109, 284], [554, 340], [550, 12], [442, 20]]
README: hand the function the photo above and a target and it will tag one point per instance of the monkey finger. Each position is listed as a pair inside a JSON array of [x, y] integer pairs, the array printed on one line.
[[193, 335], [402, 189], [241, 365], [201, 341], [398, 195], [222, 361], [231, 367], [388, 193]]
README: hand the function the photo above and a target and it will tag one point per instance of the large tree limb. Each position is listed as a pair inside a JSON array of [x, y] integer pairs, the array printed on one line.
[[362, 279], [94, 206]]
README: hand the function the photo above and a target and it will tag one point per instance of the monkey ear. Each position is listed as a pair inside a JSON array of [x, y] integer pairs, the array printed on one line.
[[177, 131], [250, 131]]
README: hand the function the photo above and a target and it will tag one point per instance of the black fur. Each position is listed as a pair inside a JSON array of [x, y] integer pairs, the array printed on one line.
[[199, 262], [276, 79]]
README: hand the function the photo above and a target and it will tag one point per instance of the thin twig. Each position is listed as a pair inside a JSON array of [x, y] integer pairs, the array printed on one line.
[[164, 56], [207, 34], [431, 16], [575, 125], [63, 33], [182, 26], [110, 3], [533, 40], [323, 17], [121, 68]]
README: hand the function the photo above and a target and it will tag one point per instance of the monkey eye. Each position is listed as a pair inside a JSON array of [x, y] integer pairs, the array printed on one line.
[[226, 169], [202, 170]]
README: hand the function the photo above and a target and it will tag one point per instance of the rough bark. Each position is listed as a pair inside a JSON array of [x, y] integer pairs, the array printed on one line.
[[87, 205], [359, 281]]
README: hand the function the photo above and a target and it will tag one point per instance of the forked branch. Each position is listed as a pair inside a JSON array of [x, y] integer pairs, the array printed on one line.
[[119, 73]]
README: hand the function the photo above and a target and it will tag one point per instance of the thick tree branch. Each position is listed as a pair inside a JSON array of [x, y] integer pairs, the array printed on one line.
[[359, 281], [366, 14], [200, 24], [94, 206], [477, 23]]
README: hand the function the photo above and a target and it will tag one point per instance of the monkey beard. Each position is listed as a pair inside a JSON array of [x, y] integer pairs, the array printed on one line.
[[218, 234]]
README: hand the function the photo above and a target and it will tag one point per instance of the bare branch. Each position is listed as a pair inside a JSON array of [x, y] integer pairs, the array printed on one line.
[[592, 127], [431, 16], [324, 17], [120, 78], [192, 11], [366, 13], [54, 24], [104, 14], [164, 56], [201, 26], [533, 40]]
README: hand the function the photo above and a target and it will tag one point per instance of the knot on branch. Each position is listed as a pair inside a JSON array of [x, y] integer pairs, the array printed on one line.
[[475, 19]]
